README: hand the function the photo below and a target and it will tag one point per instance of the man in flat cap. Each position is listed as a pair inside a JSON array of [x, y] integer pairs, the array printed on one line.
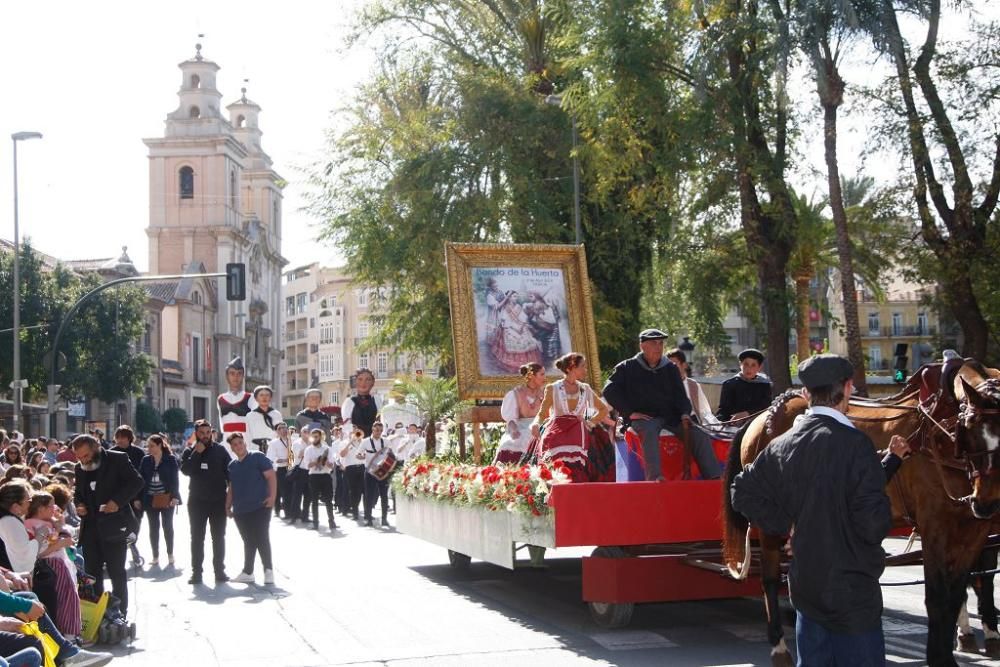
[[746, 393], [823, 478], [237, 402], [649, 395]]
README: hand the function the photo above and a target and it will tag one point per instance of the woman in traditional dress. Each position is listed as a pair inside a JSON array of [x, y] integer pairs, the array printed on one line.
[[566, 405], [515, 345], [518, 410]]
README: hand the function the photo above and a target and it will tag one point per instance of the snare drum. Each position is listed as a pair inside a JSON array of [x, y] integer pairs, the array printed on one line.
[[382, 464]]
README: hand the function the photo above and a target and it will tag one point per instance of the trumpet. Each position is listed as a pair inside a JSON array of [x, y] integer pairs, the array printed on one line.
[[358, 434]]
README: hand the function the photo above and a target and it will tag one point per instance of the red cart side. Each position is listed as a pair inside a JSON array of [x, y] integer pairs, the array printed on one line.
[[653, 540]]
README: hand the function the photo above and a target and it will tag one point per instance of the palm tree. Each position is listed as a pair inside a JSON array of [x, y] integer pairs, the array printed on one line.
[[810, 254], [435, 398]]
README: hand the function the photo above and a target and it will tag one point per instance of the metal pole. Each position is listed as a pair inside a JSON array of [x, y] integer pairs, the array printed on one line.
[[54, 367], [16, 386], [576, 187]]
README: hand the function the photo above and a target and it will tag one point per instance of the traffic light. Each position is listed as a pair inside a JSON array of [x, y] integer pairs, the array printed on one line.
[[901, 363], [236, 281]]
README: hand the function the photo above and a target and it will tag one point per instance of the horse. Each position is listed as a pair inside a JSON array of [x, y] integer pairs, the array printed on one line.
[[958, 453]]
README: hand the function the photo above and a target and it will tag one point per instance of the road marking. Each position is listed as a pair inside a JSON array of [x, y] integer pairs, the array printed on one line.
[[631, 640], [755, 632]]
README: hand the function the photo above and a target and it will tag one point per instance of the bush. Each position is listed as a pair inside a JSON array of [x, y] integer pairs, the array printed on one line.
[[174, 420]]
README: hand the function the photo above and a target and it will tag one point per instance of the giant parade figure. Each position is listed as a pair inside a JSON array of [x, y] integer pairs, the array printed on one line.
[[237, 403]]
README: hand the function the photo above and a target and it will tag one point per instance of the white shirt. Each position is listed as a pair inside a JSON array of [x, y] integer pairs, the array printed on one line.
[[824, 411], [257, 428], [22, 551], [408, 446], [353, 450], [370, 447], [298, 449], [313, 454], [278, 451]]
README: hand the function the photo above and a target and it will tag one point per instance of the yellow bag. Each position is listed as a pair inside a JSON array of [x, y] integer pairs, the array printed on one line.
[[50, 648], [92, 613]]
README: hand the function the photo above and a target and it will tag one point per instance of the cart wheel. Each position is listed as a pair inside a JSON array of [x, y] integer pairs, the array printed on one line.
[[611, 614], [459, 561]]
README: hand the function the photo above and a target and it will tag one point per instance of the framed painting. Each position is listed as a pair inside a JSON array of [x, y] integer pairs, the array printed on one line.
[[516, 304]]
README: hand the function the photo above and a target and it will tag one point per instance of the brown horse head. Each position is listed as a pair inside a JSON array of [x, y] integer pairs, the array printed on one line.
[[977, 437]]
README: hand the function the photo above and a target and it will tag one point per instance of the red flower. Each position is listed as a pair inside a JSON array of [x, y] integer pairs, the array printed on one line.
[[545, 473]]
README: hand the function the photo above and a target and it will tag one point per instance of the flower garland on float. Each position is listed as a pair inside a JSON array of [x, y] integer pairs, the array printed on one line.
[[522, 489]]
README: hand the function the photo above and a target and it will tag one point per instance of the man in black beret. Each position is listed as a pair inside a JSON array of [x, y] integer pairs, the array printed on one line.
[[648, 393], [746, 393], [823, 478]]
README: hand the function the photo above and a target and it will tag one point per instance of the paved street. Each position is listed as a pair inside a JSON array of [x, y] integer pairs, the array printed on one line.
[[378, 597]]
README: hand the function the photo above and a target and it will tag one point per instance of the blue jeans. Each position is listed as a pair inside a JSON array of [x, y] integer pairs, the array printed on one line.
[[26, 657], [67, 649], [818, 647], [701, 449]]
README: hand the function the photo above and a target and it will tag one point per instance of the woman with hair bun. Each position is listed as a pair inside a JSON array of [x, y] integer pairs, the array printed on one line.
[[518, 409], [572, 410]]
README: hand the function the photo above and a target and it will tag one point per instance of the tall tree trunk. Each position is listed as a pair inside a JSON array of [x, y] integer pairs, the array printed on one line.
[[802, 280], [774, 288], [962, 239], [831, 94]]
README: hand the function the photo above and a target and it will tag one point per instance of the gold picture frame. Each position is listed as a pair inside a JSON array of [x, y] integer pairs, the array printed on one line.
[[513, 303]]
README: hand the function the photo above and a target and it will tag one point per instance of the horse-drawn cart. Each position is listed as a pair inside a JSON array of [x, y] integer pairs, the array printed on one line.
[[653, 541]]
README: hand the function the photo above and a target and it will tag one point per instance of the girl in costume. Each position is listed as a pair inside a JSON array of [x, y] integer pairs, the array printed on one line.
[[518, 410]]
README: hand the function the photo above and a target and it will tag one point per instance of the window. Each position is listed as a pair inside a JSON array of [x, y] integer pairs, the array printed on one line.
[[362, 298], [196, 297], [322, 304], [333, 301], [363, 332], [383, 363], [873, 322], [922, 328], [173, 403], [875, 357], [195, 81], [326, 331], [897, 324], [289, 305], [301, 301], [147, 338], [326, 362], [194, 112], [363, 360], [277, 214], [401, 364], [233, 192], [335, 398], [240, 120], [187, 182]]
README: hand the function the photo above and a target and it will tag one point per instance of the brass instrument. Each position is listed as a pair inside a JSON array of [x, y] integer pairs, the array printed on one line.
[[358, 434]]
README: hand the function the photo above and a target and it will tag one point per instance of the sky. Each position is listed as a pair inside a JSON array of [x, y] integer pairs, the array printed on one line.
[[97, 78]]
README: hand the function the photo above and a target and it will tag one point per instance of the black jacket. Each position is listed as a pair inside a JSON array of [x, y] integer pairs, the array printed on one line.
[[825, 479], [115, 480], [739, 395], [169, 472], [657, 392], [209, 473], [135, 456]]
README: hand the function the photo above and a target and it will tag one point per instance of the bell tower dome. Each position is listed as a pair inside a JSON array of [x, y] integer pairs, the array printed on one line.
[[198, 112]]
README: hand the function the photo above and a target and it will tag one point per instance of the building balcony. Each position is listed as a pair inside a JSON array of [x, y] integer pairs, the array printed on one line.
[[900, 332], [300, 335]]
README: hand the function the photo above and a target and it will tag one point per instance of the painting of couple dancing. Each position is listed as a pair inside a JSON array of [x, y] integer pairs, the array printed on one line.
[[520, 318]]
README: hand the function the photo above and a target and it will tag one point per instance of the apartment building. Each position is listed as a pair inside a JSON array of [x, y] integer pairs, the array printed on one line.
[[326, 326]]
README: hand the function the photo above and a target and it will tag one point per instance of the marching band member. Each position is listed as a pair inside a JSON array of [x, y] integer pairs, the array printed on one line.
[[299, 472], [279, 451], [339, 482], [569, 401], [519, 408], [354, 471], [375, 487], [262, 420], [237, 402], [317, 461]]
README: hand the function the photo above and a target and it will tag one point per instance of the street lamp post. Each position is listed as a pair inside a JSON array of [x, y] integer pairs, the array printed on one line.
[[16, 385], [556, 100]]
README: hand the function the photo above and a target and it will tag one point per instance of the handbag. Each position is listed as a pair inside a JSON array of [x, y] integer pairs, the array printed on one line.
[[161, 501]]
